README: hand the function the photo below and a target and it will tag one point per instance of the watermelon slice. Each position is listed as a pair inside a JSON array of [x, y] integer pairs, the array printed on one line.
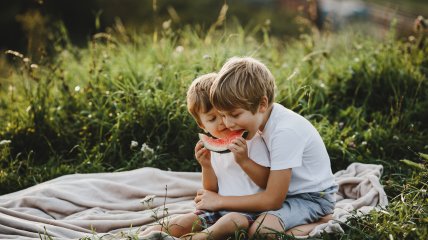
[[219, 145]]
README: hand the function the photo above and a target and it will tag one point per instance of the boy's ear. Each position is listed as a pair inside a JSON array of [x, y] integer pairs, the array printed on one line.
[[264, 104]]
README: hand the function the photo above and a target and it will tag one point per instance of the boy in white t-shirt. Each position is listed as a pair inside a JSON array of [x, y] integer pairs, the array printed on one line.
[[243, 171], [301, 186]]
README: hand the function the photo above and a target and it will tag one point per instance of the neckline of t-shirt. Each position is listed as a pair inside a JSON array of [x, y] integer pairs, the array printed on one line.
[[269, 121]]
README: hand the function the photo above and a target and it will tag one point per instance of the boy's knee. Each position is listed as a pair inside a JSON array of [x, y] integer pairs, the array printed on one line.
[[238, 219], [256, 228], [185, 222], [266, 224], [176, 226]]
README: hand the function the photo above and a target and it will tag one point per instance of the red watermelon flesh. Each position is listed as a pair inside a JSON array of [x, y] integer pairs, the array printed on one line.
[[220, 144]]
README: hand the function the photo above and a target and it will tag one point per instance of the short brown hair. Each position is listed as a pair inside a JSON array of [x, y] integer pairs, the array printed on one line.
[[242, 83], [198, 95]]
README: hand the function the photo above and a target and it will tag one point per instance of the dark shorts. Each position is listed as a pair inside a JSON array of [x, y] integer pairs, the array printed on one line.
[[209, 218]]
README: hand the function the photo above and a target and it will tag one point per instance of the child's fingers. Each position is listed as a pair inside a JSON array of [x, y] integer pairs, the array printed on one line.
[[236, 149], [232, 147], [197, 151], [199, 145], [200, 192], [236, 146], [239, 141], [199, 205], [242, 140], [201, 152], [198, 199]]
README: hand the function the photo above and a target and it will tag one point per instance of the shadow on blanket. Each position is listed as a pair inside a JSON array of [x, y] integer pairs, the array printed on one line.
[[74, 206]]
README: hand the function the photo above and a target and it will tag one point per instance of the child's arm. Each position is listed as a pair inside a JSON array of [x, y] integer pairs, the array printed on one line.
[[259, 174], [270, 199], [209, 179]]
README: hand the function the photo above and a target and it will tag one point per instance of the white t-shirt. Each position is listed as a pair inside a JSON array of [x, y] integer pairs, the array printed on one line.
[[232, 180], [293, 142]]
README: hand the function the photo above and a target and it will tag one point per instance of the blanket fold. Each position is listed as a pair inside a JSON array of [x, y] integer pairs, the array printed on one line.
[[74, 206], [359, 192]]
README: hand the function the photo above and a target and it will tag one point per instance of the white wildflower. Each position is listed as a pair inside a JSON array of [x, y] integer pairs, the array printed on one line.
[[77, 88], [146, 148], [11, 88], [166, 24], [179, 49], [134, 144], [15, 53], [4, 142], [148, 200]]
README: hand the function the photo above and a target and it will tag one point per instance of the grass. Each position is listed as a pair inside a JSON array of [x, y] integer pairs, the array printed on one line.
[[92, 109]]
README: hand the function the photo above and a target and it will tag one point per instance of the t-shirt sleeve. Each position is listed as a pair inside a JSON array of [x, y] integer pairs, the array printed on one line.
[[258, 152], [286, 149]]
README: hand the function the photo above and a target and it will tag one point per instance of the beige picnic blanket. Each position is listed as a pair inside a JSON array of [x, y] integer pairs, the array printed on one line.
[[110, 205]]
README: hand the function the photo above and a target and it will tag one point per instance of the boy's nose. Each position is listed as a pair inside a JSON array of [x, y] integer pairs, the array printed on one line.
[[221, 126], [228, 123]]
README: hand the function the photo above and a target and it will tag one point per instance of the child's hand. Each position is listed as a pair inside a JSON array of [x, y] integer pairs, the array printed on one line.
[[239, 149], [203, 155], [207, 200]]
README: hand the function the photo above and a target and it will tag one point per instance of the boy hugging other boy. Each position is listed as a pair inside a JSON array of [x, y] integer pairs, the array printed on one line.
[[301, 187], [243, 171]]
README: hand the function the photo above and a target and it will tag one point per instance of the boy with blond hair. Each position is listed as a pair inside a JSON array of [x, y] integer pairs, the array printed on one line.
[[301, 186], [243, 171]]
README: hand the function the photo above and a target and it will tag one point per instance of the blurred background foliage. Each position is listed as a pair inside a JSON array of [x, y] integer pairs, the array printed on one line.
[[30, 26]]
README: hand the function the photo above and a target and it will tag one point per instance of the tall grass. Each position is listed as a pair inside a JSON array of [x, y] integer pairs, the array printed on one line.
[[84, 110]]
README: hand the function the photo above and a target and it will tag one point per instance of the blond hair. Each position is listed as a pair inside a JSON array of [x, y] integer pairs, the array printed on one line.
[[242, 83], [198, 95]]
